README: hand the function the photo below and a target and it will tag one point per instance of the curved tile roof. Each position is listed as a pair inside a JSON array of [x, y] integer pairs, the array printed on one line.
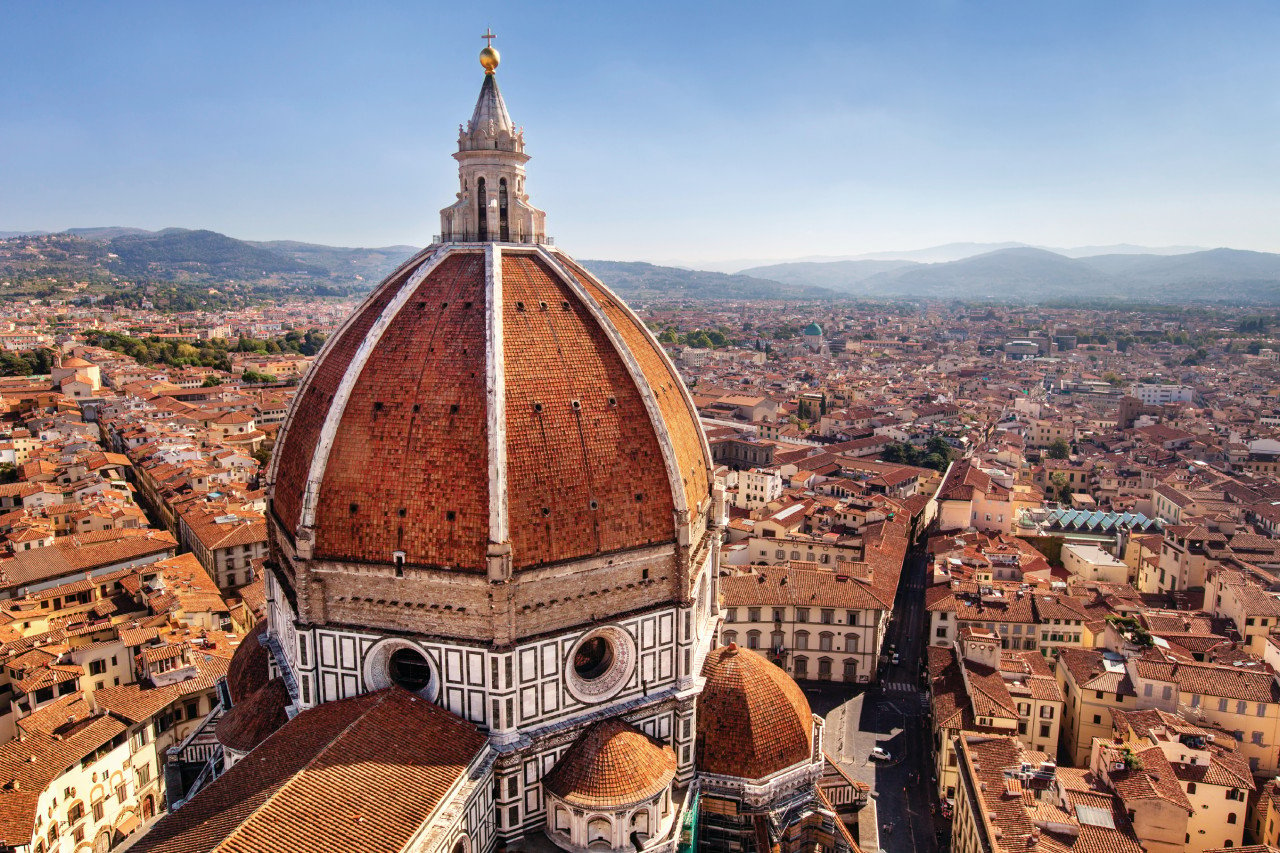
[[753, 720], [612, 764], [430, 396]]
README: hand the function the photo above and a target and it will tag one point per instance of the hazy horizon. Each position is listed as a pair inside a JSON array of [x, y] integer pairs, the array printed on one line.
[[668, 133]]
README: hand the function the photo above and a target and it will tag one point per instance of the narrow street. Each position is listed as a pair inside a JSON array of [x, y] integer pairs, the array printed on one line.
[[891, 714]]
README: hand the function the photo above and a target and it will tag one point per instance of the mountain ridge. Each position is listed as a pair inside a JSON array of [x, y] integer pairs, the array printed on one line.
[[1015, 272]]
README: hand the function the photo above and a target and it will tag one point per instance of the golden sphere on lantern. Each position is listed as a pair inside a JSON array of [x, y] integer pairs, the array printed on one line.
[[489, 58]]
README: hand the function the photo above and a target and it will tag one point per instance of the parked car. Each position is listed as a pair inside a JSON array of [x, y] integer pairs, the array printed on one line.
[[879, 753], [897, 659]]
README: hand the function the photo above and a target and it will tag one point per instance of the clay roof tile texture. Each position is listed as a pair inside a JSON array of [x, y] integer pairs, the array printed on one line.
[[597, 426], [253, 720], [753, 720], [364, 773], [247, 672], [612, 764]]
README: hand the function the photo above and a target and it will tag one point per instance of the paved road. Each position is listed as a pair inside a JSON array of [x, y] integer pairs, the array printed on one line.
[[890, 714]]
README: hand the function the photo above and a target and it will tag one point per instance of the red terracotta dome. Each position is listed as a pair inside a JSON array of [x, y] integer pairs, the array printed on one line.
[[248, 670], [612, 764], [753, 720], [488, 395], [255, 718]]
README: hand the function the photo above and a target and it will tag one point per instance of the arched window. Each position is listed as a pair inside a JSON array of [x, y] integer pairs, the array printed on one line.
[[824, 641], [730, 637], [802, 640], [824, 669], [801, 667], [482, 210], [753, 639], [851, 643], [640, 822], [850, 669], [562, 819], [504, 227], [600, 833]]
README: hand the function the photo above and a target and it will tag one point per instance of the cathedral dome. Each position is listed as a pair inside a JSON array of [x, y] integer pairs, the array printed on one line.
[[248, 670], [254, 718], [487, 397], [753, 719], [490, 413]]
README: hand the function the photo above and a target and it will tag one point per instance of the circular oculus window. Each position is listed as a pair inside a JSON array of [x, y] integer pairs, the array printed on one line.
[[600, 664], [404, 664]]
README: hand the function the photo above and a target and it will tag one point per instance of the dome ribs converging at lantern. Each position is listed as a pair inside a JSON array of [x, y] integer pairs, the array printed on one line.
[[686, 438], [311, 408], [577, 429], [407, 471]]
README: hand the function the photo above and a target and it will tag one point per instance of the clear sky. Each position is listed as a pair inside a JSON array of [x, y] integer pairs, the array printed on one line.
[[659, 131]]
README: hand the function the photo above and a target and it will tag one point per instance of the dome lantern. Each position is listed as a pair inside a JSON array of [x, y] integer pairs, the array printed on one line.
[[492, 205]]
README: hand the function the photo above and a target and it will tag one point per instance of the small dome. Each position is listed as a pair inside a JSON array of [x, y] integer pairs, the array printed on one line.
[[753, 720], [612, 764], [813, 329], [247, 672], [74, 362], [253, 720]]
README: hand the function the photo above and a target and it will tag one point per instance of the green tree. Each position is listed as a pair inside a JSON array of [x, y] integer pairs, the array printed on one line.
[[1059, 449], [1060, 486]]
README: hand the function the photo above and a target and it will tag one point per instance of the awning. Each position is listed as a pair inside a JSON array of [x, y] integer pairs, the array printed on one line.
[[127, 825]]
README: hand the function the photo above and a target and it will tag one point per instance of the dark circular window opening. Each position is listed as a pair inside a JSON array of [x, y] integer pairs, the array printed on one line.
[[593, 658], [409, 670]]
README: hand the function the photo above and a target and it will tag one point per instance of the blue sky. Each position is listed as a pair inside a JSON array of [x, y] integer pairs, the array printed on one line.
[[659, 131]]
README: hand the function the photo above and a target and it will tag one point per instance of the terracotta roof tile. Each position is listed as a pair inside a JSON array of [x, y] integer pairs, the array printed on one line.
[[753, 720], [357, 774], [253, 720], [612, 764], [248, 670]]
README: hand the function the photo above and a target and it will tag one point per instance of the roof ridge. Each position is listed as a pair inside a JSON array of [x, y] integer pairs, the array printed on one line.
[[292, 777]]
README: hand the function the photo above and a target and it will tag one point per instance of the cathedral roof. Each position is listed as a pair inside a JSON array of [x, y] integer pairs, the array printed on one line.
[[255, 718], [247, 672], [612, 764], [483, 396], [753, 720], [358, 774]]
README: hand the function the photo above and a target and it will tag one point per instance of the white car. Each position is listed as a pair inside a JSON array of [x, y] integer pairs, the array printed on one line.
[[896, 659], [879, 753]]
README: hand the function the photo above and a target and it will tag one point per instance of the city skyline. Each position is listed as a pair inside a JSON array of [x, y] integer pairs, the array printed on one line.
[[689, 135]]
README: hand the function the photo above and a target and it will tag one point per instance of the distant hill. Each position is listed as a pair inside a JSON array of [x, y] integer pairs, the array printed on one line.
[[636, 279], [194, 257], [941, 254], [208, 262], [1027, 274], [200, 255], [371, 265], [1256, 274], [108, 233], [1004, 274], [841, 276]]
